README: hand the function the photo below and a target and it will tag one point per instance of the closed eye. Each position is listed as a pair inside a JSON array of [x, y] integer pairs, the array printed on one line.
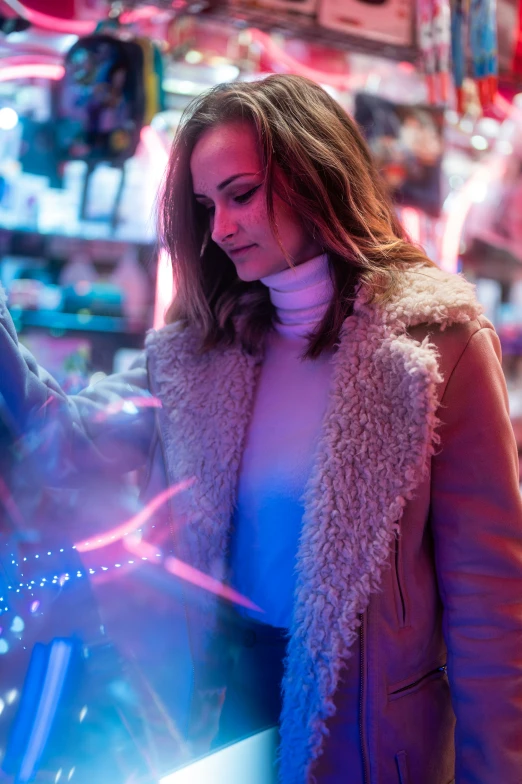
[[244, 197]]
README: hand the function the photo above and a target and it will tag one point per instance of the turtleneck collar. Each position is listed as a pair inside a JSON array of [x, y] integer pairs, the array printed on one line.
[[301, 296]]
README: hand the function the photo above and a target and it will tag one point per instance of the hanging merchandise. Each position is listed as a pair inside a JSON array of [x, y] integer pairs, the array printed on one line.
[[442, 46], [101, 101], [483, 45], [474, 37], [434, 40], [516, 63], [152, 79], [132, 280], [458, 49], [406, 144]]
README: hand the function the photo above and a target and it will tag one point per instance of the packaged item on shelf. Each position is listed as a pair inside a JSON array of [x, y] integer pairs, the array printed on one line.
[[97, 299], [299, 6], [390, 21], [79, 269], [132, 280]]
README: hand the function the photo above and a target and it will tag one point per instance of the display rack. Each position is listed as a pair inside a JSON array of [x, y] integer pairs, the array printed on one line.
[[307, 28]]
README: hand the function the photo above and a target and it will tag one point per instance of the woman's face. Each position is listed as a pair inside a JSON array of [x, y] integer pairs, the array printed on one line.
[[227, 179]]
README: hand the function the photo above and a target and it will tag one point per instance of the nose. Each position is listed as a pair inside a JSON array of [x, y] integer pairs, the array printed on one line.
[[223, 226]]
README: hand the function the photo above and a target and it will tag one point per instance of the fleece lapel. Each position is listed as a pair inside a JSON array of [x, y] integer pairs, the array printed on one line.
[[378, 436], [207, 401]]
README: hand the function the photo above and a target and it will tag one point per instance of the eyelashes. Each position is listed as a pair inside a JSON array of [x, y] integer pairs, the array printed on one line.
[[244, 197]]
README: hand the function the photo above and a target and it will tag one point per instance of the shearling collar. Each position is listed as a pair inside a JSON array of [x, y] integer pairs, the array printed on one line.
[[377, 438]]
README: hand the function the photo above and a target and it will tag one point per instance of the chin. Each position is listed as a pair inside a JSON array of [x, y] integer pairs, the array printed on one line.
[[248, 276], [250, 272]]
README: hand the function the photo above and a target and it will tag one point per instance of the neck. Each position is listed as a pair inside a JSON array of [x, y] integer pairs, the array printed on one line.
[[301, 296]]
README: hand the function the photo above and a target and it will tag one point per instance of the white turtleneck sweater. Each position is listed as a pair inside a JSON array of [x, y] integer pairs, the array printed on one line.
[[289, 406]]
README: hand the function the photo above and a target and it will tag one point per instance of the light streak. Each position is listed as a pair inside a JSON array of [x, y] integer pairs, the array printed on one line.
[[159, 156], [139, 14], [164, 289], [411, 221], [189, 574], [155, 147], [135, 522], [279, 56], [32, 71], [457, 211], [59, 659], [123, 405], [54, 23], [252, 760]]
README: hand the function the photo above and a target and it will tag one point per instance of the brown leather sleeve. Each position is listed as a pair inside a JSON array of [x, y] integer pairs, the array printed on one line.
[[476, 516]]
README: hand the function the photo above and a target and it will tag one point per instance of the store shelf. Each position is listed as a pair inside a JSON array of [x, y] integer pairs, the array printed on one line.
[[86, 231], [79, 322], [298, 25]]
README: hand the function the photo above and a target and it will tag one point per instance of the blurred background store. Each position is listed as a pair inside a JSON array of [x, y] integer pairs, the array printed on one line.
[[91, 92]]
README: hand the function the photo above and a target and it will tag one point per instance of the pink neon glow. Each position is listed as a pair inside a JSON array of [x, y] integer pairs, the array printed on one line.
[[164, 289], [456, 218], [279, 56], [135, 522], [155, 147], [55, 23], [412, 223], [139, 14], [143, 549], [503, 105], [51, 399], [32, 71], [159, 156], [189, 574], [120, 405], [194, 576]]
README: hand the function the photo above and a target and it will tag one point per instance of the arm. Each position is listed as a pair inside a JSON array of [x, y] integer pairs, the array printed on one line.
[[65, 435], [476, 516]]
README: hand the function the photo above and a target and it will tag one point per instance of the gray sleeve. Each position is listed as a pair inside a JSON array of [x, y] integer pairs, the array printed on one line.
[[108, 427]]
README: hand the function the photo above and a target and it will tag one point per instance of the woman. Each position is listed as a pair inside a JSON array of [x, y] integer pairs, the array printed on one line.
[[338, 407]]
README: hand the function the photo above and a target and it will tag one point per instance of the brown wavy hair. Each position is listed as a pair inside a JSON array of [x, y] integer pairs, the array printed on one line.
[[330, 181]]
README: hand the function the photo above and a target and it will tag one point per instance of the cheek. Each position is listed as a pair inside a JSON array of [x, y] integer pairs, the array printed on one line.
[[290, 228], [255, 219]]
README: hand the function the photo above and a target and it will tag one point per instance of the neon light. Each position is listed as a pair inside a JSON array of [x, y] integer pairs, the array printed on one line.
[[252, 760], [130, 405], [32, 71], [57, 667], [139, 14], [155, 147], [503, 105], [159, 157], [458, 210], [164, 289], [411, 220], [54, 23], [278, 55], [190, 574], [135, 522], [178, 568]]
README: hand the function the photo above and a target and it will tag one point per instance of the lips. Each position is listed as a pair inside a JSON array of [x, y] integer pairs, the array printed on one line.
[[239, 251]]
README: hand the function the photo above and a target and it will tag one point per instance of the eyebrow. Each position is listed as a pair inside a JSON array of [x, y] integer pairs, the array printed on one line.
[[226, 182]]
